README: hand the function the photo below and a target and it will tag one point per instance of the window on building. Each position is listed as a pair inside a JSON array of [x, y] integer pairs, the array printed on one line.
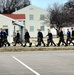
[[42, 28], [31, 28], [31, 17], [41, 17]]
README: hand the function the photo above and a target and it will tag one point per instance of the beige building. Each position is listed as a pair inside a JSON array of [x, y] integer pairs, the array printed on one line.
[[10, 23], [30, 17], [34, 20]]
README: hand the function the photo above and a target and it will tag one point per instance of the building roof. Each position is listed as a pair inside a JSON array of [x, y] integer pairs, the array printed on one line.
[[1, 15], [15, 16], [30, 9]]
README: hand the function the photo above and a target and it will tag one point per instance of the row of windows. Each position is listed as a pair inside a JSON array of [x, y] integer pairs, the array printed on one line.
[[31, 17], [32, 28]]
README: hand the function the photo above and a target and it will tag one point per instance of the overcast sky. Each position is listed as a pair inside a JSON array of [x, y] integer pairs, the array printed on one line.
[[44, 3]]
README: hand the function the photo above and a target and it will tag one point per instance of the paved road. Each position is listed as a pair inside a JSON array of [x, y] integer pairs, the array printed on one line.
[[37, 63]]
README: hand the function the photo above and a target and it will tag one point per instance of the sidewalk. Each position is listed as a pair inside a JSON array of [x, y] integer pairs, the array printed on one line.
[[19, 48]]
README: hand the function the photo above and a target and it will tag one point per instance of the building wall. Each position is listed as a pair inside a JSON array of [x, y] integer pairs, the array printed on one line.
[[20, 28], [6, 23], [37, 23]]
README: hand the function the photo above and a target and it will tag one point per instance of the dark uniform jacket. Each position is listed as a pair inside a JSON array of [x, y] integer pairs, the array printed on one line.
[[17, 37], [26, 36], [1, 35], [50, 36], [40, 35], [5, 34], [73, 33], [61, 34], [68, 34]]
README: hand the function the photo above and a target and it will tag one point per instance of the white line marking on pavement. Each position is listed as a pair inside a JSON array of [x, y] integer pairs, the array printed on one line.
[[26, 66]]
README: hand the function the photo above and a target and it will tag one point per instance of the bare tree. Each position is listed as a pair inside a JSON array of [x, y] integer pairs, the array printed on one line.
[[9, 6], [54, 17], [58, 17], [69, 9], [69, 6]]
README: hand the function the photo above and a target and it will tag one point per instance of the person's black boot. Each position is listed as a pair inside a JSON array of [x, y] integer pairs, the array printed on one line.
[[30, 45], [8, 44], [54, 45], [14, 45], [44, 45], [47, 45], [36, 45], [21, 44], [58, 45], [24, 45]]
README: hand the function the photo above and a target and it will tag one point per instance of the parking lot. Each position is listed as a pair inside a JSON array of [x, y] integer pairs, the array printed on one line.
[[37, 63]]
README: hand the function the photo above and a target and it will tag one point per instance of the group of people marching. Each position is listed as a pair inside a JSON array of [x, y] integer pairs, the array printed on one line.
[[69, 40], [70, 37], [26, 37]]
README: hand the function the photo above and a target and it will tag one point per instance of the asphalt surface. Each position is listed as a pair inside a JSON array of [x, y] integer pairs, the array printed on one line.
[[37, 63]]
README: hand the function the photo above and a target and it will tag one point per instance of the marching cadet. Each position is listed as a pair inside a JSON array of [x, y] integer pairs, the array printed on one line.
[[68, 37], [72, 36], [5, 41], [72, 33], [0, 37], [18, 39], [51, 44], [27, 38], [61, 37], [50, 38], [40, 38]]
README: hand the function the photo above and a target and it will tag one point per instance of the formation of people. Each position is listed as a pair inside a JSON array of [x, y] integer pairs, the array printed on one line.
[[40, 41]]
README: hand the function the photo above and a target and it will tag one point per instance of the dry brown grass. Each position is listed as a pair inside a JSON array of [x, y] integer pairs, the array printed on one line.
[[36, 49]]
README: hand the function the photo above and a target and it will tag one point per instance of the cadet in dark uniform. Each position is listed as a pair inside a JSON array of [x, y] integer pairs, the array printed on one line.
[[72, 33], [0, 37], [5, 38], [68, 37], [27, 38], [17, 39], [50, 38], [61, 38], [40, 38], [72, 37]]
